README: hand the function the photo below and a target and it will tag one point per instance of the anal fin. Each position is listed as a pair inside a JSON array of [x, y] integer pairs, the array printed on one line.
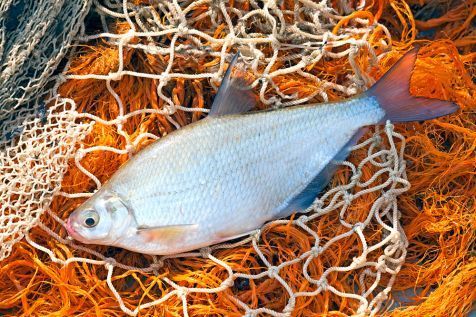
[[306, 197]]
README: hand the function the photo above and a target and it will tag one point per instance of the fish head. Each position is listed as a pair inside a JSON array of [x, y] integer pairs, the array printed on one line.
[[100, 220]]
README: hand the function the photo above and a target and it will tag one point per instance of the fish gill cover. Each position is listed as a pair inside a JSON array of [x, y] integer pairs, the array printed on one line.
[[138, 70]]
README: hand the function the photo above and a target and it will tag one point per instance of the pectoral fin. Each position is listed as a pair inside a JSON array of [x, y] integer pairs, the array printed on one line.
[[166, 232]]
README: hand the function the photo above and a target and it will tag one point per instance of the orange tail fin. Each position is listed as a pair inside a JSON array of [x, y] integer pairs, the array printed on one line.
[[392, 92]]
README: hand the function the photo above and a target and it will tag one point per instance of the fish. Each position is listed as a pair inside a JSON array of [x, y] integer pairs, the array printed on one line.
[[226, 175]]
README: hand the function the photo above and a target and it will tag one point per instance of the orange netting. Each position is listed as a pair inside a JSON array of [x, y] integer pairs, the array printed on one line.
[[438, 212]]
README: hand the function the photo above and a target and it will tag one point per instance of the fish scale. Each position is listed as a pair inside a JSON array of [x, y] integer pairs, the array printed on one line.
[[246, 173]]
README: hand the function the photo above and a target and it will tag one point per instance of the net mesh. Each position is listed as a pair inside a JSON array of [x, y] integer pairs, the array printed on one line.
[[32, 170], [140, 70]]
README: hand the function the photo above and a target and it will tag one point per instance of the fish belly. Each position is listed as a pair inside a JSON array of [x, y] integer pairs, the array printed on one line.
[[229, 175]]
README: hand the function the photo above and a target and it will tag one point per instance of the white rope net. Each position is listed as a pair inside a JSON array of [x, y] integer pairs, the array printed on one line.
[[34, 147], [34, 37], [34, 164]]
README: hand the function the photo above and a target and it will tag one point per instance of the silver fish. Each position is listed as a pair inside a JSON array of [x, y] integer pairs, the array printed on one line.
[[228, 174]]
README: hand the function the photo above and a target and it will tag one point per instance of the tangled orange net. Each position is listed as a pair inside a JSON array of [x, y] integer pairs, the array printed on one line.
[[437, 212]]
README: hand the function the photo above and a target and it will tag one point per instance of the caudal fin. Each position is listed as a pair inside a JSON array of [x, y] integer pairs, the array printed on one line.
[[392, 92]]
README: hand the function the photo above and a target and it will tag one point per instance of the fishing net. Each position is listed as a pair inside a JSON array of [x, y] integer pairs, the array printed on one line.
[[138, 70], [35, 36]]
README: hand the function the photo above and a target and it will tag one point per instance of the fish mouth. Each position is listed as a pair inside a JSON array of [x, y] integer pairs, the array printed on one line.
[[69, 228], [72, 232]]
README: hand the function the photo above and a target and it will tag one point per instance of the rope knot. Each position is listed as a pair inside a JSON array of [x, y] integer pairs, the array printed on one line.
[[383, 295], [163, 80], [381, 266], [120, 118], [182, 291], [110, 261], [182, 29], [377, 139], [157, 265], [271, 4], [205, 252], [323, 284], [115, 76], [318, 204], [80, 154], [348, 197], [358, 226], [273, 271], [387, 197], [128, 36], [264, 78], [130, 148], [303, 219], [227, 283], [389, 127], [256, 235], [359, 260], [316, 250], [395, 237], [356, 177], [170, 109]]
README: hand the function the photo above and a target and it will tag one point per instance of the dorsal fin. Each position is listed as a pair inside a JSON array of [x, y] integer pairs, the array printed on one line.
[[233, 96], [305, 198]]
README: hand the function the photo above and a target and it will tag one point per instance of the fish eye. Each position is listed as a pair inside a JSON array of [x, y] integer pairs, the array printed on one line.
[[91, 218]]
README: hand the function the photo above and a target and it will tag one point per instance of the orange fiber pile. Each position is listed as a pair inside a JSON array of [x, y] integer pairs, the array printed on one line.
[[438, 212]]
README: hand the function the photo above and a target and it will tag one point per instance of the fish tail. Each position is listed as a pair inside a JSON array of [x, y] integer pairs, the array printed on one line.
[[392, 92]]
